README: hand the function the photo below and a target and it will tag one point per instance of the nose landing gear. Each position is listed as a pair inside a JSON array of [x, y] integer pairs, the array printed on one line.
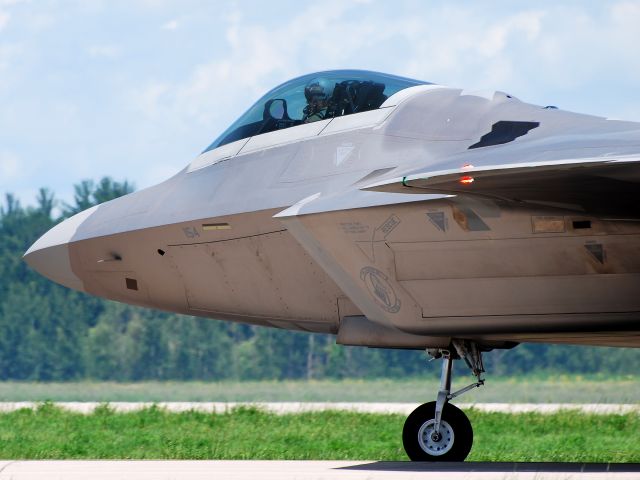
[[439, 431]]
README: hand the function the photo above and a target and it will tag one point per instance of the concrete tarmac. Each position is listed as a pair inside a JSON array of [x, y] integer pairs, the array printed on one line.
[[309, 470]]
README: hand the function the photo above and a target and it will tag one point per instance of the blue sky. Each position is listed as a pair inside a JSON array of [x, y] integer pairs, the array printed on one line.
[[136, 89]]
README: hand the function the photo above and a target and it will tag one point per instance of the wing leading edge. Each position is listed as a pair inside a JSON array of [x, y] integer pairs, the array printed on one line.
[[605, 186]]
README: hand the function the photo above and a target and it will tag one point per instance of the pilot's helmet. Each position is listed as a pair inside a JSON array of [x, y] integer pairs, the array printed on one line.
[[318, 90]]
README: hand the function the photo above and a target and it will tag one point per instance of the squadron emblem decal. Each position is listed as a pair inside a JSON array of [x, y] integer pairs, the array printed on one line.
[[380, 289]]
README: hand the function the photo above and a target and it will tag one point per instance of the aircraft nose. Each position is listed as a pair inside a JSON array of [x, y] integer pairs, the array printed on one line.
[[50, 254]]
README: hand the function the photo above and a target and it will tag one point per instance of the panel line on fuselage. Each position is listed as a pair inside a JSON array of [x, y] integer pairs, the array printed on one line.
[[226, 239]]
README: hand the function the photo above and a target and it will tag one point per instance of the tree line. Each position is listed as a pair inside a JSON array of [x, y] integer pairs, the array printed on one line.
[[51, 333]]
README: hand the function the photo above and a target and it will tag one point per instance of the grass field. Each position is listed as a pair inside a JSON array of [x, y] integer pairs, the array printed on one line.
[[511, 390], [49, 433]]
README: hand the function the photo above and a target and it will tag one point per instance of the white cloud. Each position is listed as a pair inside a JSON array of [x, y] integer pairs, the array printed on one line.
[[626, 12], [219, 90], [171, 25], [158, 173], [5, 16], [9, 166], [154, 4], [256, 54], [469, 46], [7, 53], [150, 110], [526, 24], [4, 19], [38, 21], [105, 51], [149, 100], [624, 35]]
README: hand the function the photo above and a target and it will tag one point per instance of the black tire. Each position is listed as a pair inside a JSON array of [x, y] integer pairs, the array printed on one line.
[[455, 446]]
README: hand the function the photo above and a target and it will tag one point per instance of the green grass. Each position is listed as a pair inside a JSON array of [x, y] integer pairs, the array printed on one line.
[[558, 389], [248, 433]]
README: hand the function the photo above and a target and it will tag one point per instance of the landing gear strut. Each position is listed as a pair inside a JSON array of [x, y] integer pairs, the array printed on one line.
[[439, 431]]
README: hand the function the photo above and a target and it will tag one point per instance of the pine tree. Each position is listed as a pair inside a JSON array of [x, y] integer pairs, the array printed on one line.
[[48, 332]]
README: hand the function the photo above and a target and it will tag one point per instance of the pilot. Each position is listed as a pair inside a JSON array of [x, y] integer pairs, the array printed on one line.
[[317, 92]]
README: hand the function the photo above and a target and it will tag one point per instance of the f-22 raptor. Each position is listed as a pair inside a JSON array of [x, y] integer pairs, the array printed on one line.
[[392, 213]]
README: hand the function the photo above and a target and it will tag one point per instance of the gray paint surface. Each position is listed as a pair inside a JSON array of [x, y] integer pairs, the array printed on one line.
[[364, 218]]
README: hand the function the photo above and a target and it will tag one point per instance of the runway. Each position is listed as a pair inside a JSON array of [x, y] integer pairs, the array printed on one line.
[[283, 408], [309, 470]]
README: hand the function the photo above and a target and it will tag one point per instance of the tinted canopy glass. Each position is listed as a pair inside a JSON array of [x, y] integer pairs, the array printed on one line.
[[314, 97]]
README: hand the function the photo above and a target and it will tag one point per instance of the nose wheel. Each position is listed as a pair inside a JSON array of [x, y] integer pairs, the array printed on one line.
[[439, 431], [452, 443]]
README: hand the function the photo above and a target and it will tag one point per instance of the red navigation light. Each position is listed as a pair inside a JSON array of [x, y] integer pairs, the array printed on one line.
[[466, 180]]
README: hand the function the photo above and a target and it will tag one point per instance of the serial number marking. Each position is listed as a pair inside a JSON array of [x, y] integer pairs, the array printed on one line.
[[353, 228]]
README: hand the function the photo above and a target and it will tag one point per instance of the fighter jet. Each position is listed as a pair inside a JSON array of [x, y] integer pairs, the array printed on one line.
[[391, 213]]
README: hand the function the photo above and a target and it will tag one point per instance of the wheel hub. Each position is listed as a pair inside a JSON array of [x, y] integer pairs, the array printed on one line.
[[435, 443]]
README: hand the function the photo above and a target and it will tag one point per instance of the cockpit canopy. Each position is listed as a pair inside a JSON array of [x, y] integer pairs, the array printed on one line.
[[314, 97]]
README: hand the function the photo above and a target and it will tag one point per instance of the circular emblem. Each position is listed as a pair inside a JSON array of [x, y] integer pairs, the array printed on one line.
[[380, 289]]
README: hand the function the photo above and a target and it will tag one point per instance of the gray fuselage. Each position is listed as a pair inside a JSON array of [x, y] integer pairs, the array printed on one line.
[[374, 268]]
